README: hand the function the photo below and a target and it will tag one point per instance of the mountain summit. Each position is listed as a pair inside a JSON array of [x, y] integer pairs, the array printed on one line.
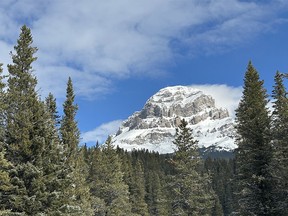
[[153, 127]]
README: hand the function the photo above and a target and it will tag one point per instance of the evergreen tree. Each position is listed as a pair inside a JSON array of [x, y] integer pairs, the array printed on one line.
[[254, 153], [137, 190], [5, 181], [69, 131], [107, 185], [2, 106], [217, 208], [190, 191], [51, 105], [155, 196], [76, 196], [280, 143], [221, 172], [25, 134], [96, 164], [22, 100]]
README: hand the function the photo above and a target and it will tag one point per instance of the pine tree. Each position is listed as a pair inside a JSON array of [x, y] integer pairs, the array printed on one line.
[[94, 179], [5, 165], [69, 131], [106, 182], [76, 196], [156, 197], [2, 106], [280, 143], [51, 105], [30, 136], [217, 208], [254, 153], [221, 172], [5, 182], [190, 190], [22, 100], [137, 190], [25, 134]]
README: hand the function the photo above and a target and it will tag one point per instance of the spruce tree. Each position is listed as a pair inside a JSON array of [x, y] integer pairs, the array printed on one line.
[[137, 190], [25, 134], [5, 165], [217, 208], [5, 182], [23, 100], [94, 181], [106, 182], [190, 190], [51, 106], [155, 197], [30, 136], [280, 143], [76, 196], [69, 131], [2, 106], [254, 153]]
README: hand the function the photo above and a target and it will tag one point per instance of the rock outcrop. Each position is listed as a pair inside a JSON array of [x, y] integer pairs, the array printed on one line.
[[154, 126]]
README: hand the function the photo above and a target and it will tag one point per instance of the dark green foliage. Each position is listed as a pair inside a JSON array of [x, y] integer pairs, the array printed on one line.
[[76, 195], [190, 190], [26, 130], [5, 181], [280, 143], [3, 107], [69, 131], [222, 174], [137, 190], [106, 182], [217, 208], [254, 153], [51, 105], [156, 195], [24, 109]]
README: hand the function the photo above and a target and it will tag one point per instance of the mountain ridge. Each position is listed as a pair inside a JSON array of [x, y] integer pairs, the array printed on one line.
[[154, 126]]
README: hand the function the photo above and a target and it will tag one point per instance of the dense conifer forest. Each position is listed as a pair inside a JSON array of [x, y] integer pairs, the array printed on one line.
[[44, 171]]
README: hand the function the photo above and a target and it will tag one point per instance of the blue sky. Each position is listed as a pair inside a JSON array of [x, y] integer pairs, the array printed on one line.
[[119, 53]]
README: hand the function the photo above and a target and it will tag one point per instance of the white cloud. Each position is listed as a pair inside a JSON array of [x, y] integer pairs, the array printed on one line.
[[225, 96], [99, 41], [101, 133]]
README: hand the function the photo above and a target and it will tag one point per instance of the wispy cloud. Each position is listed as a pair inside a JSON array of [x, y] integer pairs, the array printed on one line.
[[100, 41], [225, 96], [101, 133]]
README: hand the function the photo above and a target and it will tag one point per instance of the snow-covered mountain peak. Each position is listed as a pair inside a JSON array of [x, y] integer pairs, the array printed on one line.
[[175, 94], [153, 127]]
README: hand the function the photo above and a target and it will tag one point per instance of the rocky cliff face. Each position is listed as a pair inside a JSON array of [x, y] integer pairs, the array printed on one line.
[[153, 127]]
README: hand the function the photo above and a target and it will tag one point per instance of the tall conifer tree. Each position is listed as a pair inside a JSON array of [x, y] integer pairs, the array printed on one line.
[[137, 190], [69, 131], [107, 182], [76, 197], [51, 105], [2, 106], [95, 181], [280, 143], [155, 194], [5, 181], [190, 191], [23, 101], [25, 130], [254, 153]]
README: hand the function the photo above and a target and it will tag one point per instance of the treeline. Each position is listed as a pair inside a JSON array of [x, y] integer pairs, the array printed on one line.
[[44, 171]]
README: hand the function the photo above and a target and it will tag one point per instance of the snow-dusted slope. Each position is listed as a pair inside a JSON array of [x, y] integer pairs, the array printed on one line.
[[153, 127]]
